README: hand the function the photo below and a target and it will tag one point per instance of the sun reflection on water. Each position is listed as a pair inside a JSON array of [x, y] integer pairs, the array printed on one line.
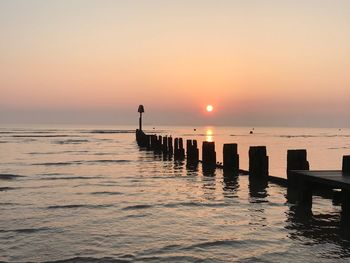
[[209, 135]]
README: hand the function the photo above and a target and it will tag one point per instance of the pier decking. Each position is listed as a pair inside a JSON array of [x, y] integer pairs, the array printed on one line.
[[331, 178]]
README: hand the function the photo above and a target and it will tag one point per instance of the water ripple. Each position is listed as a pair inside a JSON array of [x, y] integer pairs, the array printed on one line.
[[77, 206], [9, 176]]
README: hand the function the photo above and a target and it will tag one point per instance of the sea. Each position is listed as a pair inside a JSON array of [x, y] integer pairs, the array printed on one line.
[[90, 194]]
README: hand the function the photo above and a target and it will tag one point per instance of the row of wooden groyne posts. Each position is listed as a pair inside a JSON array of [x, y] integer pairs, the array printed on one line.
[[258, 159], [301, 182]]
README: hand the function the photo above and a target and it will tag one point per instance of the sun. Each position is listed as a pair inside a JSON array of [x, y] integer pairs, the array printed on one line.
[[210, 108]]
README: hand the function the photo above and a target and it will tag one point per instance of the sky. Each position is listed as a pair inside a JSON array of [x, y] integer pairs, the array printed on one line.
[[259, 63]]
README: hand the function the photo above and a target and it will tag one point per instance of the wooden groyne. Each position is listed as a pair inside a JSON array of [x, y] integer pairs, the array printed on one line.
[[301, 183]]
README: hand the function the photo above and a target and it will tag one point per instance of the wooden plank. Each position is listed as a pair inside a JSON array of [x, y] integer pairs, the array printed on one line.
[[331, 178]]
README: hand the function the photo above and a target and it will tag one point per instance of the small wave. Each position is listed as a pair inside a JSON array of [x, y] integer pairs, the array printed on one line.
[[167, 258], [71, 141], [106, 193], [109, 161], [7, 188], [208, 244], [338, 148], [77, 206], [314, 136], [29, 131], [82, 162], [109, 131], [71, 178], [3, 141], [194, 204], [9, 176], [57, 164], [39, 136], [194, 134], [127, 258], [58, 152], [26, 230], [137, 207]]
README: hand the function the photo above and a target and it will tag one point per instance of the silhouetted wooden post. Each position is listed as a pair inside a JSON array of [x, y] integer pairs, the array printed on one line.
[[258, 162], [181, 149], [192, 152], [195, 152], [188, 148], [176, 148], [165, 144], [346, 193], [346, 165], [159, 143], [179, 152], [170, 146], [230, 157], [153, 142], [296, 160], [209, 154]]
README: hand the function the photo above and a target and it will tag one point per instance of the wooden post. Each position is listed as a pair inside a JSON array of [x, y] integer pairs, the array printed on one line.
[[209, 154], [181, 149], [230, 157], [258, 162], [170, 146], [345, 193], [159, 143], [195, 154], [192, 152], [148, 144], [188, 147], [179, 152], [296, 160], [165, 144], [346, 165], [153, 142]]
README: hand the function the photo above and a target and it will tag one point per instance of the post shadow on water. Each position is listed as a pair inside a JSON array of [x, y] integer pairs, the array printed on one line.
[[258, 188], [230, 181], [208, 170], [319, 228]]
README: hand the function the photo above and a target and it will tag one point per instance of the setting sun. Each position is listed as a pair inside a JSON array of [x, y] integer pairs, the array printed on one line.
[[210, 108]]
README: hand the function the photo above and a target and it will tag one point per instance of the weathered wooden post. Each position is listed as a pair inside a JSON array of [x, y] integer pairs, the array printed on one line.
[[208, 154], [170, 146], [346, 165], [231, 158], [159, 143], [296, 160], [346, 193], [153, 142], [165, 144], [148, 141], [181, 149], [176, 147], [192, 152], [195, 152], [258, 162], [179, 152]]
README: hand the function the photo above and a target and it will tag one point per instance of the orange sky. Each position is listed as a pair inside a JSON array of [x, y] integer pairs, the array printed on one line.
[[257, 62]]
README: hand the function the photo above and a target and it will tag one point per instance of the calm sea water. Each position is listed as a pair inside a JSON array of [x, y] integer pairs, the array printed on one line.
[[89, 194]]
